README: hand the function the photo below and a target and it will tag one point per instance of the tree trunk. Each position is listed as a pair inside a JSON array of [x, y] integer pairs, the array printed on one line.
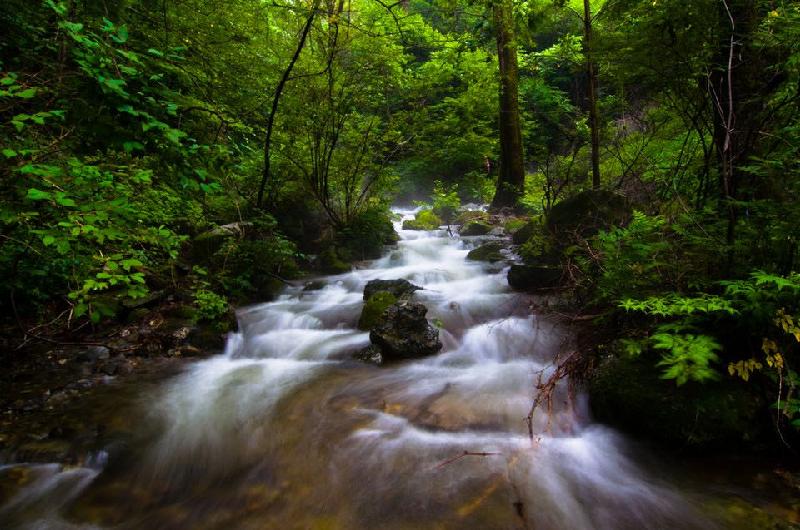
[[591, 93], [265, 177], [737, 91], [511, 179]]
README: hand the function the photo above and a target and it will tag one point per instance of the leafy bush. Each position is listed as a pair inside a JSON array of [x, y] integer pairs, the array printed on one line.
[[210, 306], [365, 236], [445, 201]]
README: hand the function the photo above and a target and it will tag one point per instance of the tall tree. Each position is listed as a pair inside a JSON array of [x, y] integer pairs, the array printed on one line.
[[591, 92], [265, 177], [511, 180]]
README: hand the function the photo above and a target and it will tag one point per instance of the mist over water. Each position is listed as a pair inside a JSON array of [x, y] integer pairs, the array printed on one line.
[[284, 430]]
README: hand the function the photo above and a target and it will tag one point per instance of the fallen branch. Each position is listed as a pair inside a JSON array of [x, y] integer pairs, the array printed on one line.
[[545, 389], [462, 455]]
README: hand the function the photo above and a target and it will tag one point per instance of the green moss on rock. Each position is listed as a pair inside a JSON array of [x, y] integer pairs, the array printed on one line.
[[372, 313], [425, 220], [475, 228], [488, 252]]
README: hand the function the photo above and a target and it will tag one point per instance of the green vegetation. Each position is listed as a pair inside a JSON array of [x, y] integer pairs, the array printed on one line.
[[213, 151]]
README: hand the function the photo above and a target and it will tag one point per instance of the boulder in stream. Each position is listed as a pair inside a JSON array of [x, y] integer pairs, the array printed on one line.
[[475, 228], [488, 252], [398, 288], [405, 333]]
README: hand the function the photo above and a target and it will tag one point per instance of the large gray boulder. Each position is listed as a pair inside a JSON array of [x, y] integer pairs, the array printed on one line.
[[405, 333]]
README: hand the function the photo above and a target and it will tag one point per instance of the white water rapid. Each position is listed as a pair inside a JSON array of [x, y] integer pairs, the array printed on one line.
[[285, 430]]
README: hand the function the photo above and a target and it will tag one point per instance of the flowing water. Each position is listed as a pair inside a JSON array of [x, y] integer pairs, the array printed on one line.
[[284, 430]]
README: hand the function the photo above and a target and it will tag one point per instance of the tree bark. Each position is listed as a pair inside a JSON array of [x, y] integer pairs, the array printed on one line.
[[511, 179], [265, 177], [591, 93]]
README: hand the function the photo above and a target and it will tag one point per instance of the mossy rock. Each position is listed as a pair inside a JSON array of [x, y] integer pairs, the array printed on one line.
[[475, 228], [204, 246], [629, 393], [467, 216], [523, 233], [488, 252], [399, 288], [372, 313], [425, 220], [331, 263], [589, 212], [514, 224], [534, 277]]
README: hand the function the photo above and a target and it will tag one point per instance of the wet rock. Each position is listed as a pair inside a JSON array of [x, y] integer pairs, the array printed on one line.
[[205, 338], [534, 277], [398, 288], [405, 333], [370, 354], [488, 252], [314, 285], [94, 354], [475, 228]]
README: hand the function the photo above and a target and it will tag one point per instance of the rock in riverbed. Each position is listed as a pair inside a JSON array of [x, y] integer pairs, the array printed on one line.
[[397, 288], [404, 334]]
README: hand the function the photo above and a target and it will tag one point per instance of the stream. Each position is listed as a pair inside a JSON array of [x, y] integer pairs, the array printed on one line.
[[284, 430]]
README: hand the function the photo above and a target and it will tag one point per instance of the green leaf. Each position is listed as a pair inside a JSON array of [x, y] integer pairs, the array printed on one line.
[[48, 240], [153, 51], [64, 201], [132, 146], [9, 153], [38, 195], [122, 35], [27, 93]]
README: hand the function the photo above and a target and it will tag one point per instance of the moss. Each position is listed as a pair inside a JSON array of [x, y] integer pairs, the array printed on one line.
[[523, 233], [425, 220], [475, 228], [470, 215], [514, 224], [372, 314], [331, 263], [487, 252]]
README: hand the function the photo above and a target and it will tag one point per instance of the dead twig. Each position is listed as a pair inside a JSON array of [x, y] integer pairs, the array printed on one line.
[[462, 455]]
